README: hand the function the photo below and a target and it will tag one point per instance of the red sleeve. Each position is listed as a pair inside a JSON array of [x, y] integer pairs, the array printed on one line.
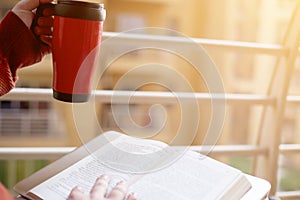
[[4, 194], [18, 48], [6, 79]]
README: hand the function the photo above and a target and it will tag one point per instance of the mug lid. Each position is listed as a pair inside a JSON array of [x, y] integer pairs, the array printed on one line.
[[82, 3], [80, 10]]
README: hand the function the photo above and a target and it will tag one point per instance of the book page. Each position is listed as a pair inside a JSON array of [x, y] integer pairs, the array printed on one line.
[[152, 169], [192, 177], [83, 173], [121, 159]]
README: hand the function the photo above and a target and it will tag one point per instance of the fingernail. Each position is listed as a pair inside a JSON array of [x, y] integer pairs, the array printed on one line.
[[79, 188], [104, 176]]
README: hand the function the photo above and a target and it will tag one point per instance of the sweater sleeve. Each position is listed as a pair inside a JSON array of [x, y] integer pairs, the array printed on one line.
[[18, 48], [6, 80]]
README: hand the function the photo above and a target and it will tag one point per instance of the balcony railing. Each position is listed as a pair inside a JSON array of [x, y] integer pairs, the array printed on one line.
[[141, 97]]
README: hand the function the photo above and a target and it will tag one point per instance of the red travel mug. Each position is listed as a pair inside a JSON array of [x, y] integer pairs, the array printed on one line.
[[77, 30]]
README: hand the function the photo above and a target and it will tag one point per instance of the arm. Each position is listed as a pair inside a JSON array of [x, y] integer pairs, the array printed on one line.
[[19, 47]]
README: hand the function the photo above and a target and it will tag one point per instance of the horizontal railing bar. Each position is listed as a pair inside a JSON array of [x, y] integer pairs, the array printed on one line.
[[237, 150], [289, 195], [143, 97], [245, 149], [7, 153], [239, 46], [120, 97], [293, 99], [28, 94], [289, 148], [34, 153]]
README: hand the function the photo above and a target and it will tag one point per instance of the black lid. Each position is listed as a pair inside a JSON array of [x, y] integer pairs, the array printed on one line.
[[80, 10]]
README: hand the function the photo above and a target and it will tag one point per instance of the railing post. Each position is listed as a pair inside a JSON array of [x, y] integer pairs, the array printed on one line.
[[271, 125]]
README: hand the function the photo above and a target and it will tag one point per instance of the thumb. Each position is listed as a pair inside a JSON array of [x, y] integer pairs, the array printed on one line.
[[30, 5], [23, 9], [27, 5]]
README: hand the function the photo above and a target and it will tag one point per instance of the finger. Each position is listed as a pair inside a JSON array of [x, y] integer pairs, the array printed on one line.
[[45, 21], [132, 196], [76, 194], [47, 40], [45, 50], [47, 12], [100, 187], [42, 30], [119, 191]]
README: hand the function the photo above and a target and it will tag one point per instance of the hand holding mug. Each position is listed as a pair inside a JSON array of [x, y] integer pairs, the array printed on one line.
[[25, 10]]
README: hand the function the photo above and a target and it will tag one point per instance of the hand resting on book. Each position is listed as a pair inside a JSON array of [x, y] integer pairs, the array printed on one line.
[[99, 190]]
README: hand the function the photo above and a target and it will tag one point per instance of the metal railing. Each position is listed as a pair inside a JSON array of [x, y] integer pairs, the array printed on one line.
[[140, 97]]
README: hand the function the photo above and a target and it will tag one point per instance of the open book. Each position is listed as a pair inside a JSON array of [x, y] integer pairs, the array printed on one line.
[[153, 170]]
